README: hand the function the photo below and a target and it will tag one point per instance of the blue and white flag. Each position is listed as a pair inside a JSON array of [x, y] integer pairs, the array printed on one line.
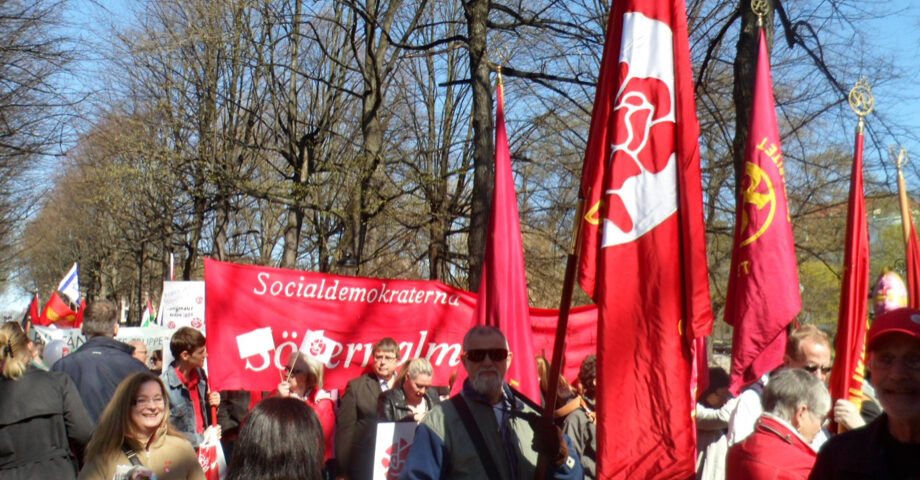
[[70, 285]]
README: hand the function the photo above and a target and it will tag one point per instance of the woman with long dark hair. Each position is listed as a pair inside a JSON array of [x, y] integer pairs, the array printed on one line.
[[281, 439], [134, 433], [41, 413]]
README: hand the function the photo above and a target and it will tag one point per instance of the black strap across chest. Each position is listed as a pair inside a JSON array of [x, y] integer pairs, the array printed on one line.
[[472, 429]]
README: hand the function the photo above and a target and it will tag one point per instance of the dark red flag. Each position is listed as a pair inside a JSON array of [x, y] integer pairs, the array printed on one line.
[[763, 285], [643, 256], [502, 300], [846, 381]]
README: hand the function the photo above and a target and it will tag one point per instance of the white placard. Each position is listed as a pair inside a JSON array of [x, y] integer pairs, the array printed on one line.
[[255, 342], [392, 448], [317, 345], [182, 305]]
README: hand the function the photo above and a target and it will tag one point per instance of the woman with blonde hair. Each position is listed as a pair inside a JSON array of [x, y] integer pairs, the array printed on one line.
[[135, 439], [41, 413], [412, 396]]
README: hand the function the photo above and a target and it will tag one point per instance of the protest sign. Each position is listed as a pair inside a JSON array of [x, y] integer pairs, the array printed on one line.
[[392, 448], [182, 305]]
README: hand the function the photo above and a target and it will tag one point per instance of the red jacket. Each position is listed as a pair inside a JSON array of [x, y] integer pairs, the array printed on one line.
[[772, 452]]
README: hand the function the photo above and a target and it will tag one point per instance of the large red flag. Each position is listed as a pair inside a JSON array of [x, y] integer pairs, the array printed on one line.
[[502, 300], [763, 284], [846, 381], [643, 256]]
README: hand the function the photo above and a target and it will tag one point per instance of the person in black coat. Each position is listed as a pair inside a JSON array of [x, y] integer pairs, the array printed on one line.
[[356, 417], [100, 364], [412, 398], [41, 414]]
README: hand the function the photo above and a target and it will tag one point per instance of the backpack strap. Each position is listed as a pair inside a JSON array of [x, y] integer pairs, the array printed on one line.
[[132, 455], [472, 429]]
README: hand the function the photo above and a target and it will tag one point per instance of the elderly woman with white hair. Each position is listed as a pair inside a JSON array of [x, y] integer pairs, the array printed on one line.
[[303, 380], [795, 403], [414, 397]]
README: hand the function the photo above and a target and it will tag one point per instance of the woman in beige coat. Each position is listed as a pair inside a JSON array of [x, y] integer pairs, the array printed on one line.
[[136, 424]]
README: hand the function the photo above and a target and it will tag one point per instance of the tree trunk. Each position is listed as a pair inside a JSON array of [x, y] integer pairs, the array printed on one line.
[[745, 70], [477, 14]]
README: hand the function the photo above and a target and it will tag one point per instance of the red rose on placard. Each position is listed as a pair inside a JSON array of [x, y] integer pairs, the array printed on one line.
[[198, 300], [317, 347], [197, 323], [395, 458], [172, 324]]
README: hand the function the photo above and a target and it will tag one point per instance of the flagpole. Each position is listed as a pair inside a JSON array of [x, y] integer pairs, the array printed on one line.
[[565, 305], [902, 197]]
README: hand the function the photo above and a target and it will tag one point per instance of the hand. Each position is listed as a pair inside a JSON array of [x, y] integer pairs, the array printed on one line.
[[284, 389], [846, 414], [215, 428], [214, 399], [548, 440]]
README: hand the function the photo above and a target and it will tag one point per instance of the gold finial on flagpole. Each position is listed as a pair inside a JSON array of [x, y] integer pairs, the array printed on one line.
[[900, 158], [501, 55], [759, 7], [861, 100]]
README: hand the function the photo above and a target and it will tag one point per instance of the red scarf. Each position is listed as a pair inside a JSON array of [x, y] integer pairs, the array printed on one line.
[[192, 385]]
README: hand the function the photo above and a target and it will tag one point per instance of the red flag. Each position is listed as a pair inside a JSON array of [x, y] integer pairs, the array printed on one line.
[[913, 268], [502, 300], [78, 322], [57, 312], [33, 311], [846, 381], [911, 246], [763, 285], [643, 256]]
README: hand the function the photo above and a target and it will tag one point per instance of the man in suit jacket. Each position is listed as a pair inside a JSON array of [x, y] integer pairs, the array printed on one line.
[[356, 418]]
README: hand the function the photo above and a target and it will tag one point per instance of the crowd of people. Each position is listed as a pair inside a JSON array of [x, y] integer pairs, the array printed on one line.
[[104, 412], [781, 425]]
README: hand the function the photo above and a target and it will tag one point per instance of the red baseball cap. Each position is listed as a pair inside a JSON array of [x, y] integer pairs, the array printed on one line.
[[901, 320]]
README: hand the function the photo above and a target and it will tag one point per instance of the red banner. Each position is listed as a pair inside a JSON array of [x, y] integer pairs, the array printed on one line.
[[847, 379], [763, 285], [426, 318]]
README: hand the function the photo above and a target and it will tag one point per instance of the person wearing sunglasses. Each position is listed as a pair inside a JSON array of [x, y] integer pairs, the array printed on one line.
[[413, 398], [303, 380], [888, 446], [356, 418], [807, 348], [488, 431]]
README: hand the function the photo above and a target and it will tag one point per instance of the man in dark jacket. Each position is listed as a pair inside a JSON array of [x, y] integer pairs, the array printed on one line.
[[889, 446], [356, 417], [100, 364]]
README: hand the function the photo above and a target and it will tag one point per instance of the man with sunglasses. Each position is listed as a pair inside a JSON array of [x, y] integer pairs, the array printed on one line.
[[488, 431], [356, 417], [807, 348], [889, 446]]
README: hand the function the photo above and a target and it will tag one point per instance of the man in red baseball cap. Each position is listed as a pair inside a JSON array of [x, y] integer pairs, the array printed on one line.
[[889, 447]]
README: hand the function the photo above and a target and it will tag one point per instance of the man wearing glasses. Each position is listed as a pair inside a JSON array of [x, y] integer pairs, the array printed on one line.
[[807, 348], [488, 431], [889, 446], [356, 417]]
